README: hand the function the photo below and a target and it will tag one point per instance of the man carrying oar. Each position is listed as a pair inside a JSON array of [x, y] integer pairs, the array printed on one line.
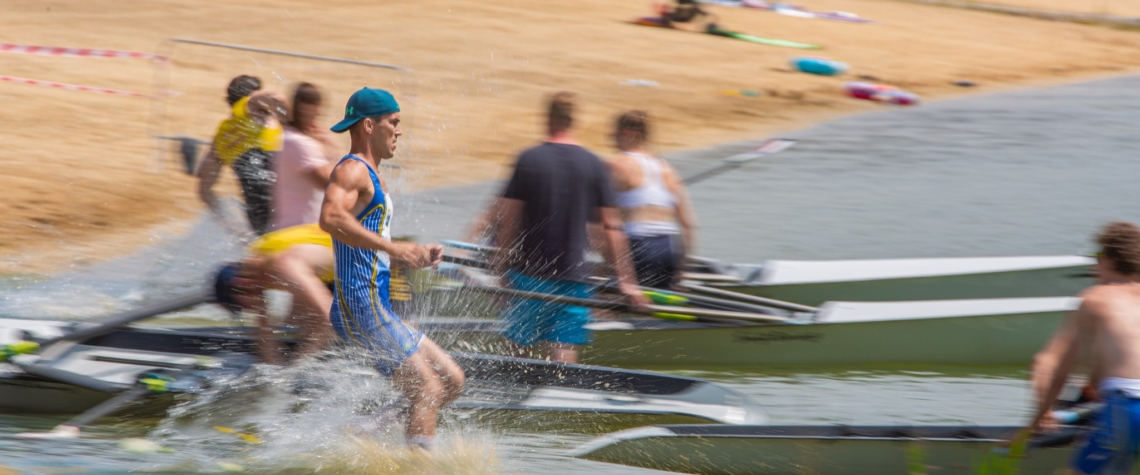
[[556, 190], [1107, 328], [357, 212]]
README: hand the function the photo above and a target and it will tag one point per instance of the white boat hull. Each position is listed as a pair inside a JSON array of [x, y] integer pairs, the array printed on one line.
[[820, 451], [88, 374], [814, 282], [956, 332]]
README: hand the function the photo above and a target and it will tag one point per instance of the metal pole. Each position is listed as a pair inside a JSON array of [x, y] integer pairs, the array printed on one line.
[[288, 53]]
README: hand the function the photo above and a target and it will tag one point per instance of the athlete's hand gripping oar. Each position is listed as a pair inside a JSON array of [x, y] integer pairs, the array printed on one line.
[[769, 147], [108, 324], [659, 311], [1006, 458]]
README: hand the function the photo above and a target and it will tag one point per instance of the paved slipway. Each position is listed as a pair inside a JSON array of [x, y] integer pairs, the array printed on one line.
[[1031, 172]]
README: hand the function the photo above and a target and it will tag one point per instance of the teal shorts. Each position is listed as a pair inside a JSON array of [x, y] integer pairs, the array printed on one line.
[[530, 321]]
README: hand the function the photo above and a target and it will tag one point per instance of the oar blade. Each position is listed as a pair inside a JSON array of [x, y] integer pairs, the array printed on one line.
[[70, 429], [769, 147], [59, 432]]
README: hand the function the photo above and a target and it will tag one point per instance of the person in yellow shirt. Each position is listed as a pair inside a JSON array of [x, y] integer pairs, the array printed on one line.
[[246, 141], [298, 260]]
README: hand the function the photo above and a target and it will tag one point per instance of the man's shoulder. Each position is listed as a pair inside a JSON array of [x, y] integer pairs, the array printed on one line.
[[547, 149], [1110, 292], [1107, 299], [346, 166], [536, 151]]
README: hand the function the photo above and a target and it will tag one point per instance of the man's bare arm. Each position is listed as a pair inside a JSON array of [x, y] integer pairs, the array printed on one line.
[[686, 217], [266, 104], [349, 183], [1051, 366], [616, 251], [508, 213], [207, 177]]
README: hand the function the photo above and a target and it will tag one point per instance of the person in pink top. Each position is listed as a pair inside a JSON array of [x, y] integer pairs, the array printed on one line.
[[303, 170], [302, 166]]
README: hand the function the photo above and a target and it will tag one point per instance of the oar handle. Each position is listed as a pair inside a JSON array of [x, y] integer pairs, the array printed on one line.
[[463, 261]]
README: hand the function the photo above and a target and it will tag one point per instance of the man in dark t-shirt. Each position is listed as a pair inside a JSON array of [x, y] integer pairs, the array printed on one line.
[[556, 190]]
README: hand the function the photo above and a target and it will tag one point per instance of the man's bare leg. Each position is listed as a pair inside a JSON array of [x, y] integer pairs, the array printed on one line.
[[430, 379], [296, 271], [252, 298], [561, 352], [511, 348]]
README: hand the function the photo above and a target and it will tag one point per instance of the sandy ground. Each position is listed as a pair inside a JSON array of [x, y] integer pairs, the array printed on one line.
[[1100, 7], [83, 181]]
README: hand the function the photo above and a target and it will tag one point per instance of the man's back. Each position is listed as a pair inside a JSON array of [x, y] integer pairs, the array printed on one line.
[[562, 186], [1113, 319]]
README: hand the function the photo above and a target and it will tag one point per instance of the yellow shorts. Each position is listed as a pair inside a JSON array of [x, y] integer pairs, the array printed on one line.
[[276, 242]]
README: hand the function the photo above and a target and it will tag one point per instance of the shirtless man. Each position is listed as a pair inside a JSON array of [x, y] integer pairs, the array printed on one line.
[[1106, 328], [357, 212]]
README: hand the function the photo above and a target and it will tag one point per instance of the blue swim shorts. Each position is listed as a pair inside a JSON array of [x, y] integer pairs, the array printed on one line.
[[530, 321], [1112, 446], [379, 330]]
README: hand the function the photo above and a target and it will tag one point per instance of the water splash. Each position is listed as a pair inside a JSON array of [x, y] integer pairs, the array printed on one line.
[[318, 415]]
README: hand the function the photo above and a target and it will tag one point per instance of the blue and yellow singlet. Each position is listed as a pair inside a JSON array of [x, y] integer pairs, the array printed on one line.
[[361, 312]]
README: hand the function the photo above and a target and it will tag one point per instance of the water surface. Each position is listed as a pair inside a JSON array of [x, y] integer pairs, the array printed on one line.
[[1025, 173]]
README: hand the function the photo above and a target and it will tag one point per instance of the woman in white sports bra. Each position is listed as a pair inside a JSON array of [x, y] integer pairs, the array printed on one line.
[[655, 206]]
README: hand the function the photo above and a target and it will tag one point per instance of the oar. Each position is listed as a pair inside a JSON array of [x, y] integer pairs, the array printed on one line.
[[466, 246], [682, 299], [650, 310], [108, 324], [1075, 415], [70, 429], [1007, 459], [769, 147], [147, 384], [675, 299], [728, 294]]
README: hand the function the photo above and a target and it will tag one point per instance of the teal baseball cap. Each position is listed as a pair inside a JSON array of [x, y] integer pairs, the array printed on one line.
[[366, 102]]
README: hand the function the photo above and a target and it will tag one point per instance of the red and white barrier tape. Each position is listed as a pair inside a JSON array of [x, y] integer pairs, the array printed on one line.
[[75, 52], [70, 87]]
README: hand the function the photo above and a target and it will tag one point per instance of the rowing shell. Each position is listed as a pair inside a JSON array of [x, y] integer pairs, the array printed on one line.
[[92, 372], [887, 280], [950, 332], [814, 282], [822, 450]]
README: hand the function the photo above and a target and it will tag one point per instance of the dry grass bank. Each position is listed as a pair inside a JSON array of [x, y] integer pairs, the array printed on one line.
[[78, 168]]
